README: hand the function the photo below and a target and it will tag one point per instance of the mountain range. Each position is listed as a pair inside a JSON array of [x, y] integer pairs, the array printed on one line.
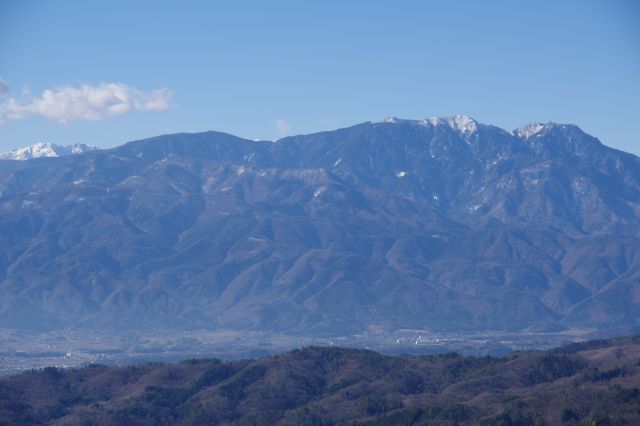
[[45, 149], [442, 223]]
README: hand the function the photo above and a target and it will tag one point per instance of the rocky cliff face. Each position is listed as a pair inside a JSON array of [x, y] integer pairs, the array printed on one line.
[[439, 223]]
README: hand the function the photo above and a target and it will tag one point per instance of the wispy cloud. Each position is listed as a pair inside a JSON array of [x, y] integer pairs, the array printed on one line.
[[327, 124], [86, 102], [4, 87], [282, 127]]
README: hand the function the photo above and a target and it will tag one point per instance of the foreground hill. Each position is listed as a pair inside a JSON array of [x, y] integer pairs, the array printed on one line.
[[443, 224], [593, 381]]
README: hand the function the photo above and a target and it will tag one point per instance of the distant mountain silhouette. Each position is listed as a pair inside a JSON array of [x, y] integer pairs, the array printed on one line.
[[45, 149], [442, 223]]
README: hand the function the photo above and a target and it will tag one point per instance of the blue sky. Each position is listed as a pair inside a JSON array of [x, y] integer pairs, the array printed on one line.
[[121, 70]]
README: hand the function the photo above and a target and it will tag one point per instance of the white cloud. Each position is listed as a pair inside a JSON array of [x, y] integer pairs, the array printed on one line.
[[86, 102], [4, 87], [283, 128]]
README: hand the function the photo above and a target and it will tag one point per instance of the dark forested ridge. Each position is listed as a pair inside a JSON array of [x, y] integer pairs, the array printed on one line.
[[596, 381], [441, 224]]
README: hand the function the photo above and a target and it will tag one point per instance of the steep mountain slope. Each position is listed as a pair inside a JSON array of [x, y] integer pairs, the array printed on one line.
[[45, 149], [595, 382], [441, 223]]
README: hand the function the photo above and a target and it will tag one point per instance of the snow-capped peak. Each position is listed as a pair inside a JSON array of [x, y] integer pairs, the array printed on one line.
[[45, 149], [529, 130], [395, 120], [460, 123]]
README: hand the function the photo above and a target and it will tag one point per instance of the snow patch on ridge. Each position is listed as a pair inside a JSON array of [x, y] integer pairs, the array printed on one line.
[[460, 123], [529, 130], [319, 191]]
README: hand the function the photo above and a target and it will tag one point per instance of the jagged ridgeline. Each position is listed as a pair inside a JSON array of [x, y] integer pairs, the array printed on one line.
[[445, 224]]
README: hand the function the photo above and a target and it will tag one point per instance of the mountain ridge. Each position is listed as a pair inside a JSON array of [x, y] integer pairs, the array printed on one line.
[[395, 224], [45, 149]]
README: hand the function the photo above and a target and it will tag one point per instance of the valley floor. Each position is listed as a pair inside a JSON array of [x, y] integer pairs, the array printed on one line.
[[22, 350]]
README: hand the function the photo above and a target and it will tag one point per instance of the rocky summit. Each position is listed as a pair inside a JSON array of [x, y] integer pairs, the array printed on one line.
[[442, 224]]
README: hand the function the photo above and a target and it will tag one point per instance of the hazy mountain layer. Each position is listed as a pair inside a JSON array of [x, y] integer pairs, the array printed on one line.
[[441, 223]]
